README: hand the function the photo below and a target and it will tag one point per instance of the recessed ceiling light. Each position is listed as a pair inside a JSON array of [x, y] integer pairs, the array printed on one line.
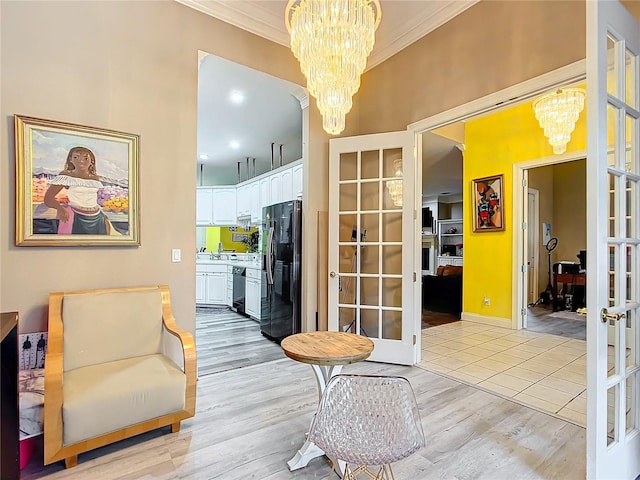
[[233, 144], [236, 97], [203, 156]]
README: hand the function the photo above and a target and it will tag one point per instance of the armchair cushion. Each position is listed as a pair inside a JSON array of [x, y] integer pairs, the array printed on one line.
[[109, 396], [108, 326]]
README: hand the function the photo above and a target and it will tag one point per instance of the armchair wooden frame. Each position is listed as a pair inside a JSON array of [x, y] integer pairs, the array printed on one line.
[[53, 425]]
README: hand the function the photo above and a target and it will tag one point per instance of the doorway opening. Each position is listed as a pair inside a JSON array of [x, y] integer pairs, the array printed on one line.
[[554, 241]]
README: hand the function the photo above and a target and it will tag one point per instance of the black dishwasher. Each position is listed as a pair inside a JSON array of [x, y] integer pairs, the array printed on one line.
[[239, 283]]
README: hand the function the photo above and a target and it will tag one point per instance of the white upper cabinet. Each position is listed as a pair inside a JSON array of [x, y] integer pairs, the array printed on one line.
[[224, 206], [297, 181], [265, 193], [204, 206], [286, 185], [275, 189], [254, 202], [243, 204]]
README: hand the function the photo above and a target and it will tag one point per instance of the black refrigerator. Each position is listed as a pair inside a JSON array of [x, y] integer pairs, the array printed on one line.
[[282, 245]]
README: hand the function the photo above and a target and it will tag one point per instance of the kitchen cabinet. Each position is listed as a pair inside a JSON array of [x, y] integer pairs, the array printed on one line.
[[255, 208], [243, 204], [229, 299], [296, 172], [265, 193], [211, 284], [204, 206], [286, 185], [275, 189], [224, 206], [252, 292]]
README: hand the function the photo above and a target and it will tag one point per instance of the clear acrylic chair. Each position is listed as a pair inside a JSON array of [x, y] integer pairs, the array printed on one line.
[[367, 421]]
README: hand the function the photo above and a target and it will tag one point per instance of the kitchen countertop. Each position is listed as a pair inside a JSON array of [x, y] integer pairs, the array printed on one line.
[[234, 263]]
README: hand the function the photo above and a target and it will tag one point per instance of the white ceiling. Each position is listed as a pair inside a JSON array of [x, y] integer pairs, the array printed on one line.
[[271, 110]]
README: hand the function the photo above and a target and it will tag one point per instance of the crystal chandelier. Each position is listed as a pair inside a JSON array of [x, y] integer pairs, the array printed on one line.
[[332, 40], [395, 185], [558, 113]]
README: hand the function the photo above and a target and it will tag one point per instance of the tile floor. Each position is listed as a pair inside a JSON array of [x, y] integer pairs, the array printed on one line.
[[546, 372]]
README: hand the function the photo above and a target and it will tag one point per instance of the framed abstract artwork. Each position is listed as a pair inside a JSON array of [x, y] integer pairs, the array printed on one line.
[[488, 204], [75, 185]]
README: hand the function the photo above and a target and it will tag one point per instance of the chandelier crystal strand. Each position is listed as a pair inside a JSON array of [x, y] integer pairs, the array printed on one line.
[[558, 113], [395, 185], [332, 40]]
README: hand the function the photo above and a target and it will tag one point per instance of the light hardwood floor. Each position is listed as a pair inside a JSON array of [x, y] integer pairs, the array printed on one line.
[[250, 421]]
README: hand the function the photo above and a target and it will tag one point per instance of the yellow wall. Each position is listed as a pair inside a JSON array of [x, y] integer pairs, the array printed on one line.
[[493, 144]]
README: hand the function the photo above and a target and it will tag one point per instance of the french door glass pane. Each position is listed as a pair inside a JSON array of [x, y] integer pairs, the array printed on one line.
[[348, 197], [392, 259], [370, 165], [348, 166], [631, 414], [392, 227], [612, 395], [369, 261], [613, 128], [631, 154], [346, 316], [369, 322], [612, 77], [369, 293], [369, 199], [348, 259], [347, 226], [631, 356], [631, 72], [392, 292], [392, 324], [370, 227]]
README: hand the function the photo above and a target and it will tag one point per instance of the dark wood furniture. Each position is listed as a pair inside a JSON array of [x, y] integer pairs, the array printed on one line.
[[9, 419], [566, 279]]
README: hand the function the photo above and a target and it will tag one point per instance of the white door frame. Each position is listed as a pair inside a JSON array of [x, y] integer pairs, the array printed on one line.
[[519, 238], [566, 75], [533, 223]]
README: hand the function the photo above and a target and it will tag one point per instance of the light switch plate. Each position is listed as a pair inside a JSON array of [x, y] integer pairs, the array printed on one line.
[[176, 255]]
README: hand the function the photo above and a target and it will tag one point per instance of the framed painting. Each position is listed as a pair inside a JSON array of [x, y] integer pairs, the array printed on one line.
[[488, 204], [75, 185]]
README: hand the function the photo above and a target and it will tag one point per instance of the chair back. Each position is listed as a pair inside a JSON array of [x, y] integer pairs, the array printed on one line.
[[368, 420], [100, 327]]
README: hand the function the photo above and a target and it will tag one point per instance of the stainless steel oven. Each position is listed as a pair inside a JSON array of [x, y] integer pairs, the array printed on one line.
[[239, 283]]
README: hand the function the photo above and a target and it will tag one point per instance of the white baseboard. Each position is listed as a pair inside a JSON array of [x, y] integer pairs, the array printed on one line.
[[485, 320]]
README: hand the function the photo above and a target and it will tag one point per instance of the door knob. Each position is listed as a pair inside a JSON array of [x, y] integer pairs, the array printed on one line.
[[332, 274], [605, 316]]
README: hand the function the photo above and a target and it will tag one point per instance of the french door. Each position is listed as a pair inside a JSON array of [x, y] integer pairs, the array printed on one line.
[[372, 234], [613, 240]]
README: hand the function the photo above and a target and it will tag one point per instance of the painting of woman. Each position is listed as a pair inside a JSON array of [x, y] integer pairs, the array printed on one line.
[[82, 215]]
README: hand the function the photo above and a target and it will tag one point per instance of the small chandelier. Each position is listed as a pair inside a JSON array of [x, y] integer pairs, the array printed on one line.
[[558, 113], [332, 40], [395, 185]]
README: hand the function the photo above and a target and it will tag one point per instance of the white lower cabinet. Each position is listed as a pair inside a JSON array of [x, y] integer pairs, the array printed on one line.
[[229, 286], [211, 284], [252, 293]]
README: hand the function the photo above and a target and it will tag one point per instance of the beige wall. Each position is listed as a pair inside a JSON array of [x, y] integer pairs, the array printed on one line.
[[492, 45], [132, 67], [570, 209]]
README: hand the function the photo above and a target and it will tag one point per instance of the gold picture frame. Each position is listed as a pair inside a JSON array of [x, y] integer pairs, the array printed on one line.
[[488, 204], [75, 185]]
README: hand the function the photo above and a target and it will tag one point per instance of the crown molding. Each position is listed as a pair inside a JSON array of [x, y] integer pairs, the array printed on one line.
[[249, 16], [266, 22]]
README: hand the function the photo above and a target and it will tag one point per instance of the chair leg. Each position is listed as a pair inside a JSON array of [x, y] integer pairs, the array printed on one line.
[[71, 461], [175, 427]]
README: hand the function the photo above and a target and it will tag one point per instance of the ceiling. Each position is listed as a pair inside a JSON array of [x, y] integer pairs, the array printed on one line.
[[270, 111]]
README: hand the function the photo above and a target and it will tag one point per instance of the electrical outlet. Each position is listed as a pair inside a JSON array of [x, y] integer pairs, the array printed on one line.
[[487, 300]]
